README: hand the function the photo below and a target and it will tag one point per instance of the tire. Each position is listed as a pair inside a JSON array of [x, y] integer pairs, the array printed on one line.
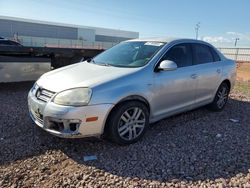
[[128, 122], [220, 99]]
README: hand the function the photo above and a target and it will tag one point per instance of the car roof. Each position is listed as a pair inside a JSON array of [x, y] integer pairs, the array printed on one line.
[[177, 40], [168, 40]]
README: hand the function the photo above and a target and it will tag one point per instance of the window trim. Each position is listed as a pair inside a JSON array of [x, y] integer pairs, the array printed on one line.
[[191, 43]]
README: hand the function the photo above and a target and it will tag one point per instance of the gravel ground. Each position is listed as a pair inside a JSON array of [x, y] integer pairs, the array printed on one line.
[[195, 149]]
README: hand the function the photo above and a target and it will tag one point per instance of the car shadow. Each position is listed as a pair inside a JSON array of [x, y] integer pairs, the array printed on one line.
[[196, 145]]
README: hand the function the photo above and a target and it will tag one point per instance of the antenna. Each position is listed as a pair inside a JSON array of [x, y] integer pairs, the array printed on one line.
[[197, 27]]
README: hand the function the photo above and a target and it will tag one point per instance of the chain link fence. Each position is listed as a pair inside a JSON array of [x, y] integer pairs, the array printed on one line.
[[237, 54]]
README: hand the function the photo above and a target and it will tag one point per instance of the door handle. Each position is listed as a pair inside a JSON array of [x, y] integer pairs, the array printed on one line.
[[218, 71], [194, 76]]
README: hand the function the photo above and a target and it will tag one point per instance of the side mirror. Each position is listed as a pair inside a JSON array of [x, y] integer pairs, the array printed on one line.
[[167, 65], [83, 59]]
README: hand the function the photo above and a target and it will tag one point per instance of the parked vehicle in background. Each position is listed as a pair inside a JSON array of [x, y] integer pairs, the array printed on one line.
[[19, 67], [137, 82], [6, 42]]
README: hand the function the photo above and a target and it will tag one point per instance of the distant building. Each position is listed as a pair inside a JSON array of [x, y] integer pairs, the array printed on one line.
[[40, 33]]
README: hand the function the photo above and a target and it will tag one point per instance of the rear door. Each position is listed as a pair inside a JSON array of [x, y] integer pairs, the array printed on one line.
[[174, 91], [207, 70]]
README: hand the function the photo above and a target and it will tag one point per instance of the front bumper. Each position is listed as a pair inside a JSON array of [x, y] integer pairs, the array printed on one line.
[[68, 121]]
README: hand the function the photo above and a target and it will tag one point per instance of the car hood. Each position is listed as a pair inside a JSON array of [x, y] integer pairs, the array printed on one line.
[[81, 75]]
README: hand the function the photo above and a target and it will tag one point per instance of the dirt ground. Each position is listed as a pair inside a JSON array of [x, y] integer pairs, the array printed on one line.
[[243, 71]]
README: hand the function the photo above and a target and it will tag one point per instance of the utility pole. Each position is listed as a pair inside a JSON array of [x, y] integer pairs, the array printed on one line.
[[197, 27], [236, 40]]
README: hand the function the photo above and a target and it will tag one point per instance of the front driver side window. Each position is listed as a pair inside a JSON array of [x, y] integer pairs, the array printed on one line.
[[181, 54]]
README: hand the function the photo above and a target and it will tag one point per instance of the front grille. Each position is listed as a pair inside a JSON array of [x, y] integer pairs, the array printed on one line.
[[44, 95]]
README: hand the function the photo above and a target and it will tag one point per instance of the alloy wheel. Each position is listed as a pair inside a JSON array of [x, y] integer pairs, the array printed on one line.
[[131, 123], [222, 97]]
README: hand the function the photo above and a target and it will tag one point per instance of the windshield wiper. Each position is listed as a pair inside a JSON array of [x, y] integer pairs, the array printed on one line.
[[105, 64], [91, 60]]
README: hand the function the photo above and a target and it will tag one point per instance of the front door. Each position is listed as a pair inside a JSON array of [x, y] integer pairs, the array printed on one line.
[[174, 91]]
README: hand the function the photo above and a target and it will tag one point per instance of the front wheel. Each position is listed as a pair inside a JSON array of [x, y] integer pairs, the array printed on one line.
[[221, 98], [128, 122]]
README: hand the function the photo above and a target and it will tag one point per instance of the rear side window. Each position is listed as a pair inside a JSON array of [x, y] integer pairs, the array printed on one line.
[[215, 54], [181, 54], [202, 54]]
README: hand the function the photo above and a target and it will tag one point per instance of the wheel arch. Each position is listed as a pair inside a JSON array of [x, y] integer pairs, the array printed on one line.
[[227, 81], [123, 100], [135, 98], [214, 105]]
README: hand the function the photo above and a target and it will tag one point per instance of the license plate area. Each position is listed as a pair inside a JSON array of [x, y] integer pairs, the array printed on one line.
[[36, 112]]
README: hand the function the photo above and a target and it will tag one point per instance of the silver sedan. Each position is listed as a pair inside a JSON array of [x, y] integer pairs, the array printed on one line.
[[137, 82]]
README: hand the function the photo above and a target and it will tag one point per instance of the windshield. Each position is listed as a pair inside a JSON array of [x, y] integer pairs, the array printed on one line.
[[128, 54]]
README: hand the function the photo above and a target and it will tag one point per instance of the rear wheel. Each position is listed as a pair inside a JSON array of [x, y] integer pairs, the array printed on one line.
[[128, 122], [221, 98]]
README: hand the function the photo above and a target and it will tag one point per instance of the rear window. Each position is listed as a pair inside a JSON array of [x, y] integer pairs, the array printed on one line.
[[215, 55], [202, 54]]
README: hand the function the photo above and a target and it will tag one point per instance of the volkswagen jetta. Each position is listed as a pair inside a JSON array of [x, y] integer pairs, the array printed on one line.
[[137, 82]]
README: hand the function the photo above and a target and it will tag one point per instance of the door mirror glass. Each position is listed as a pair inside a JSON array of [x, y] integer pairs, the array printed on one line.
[[167, 65]]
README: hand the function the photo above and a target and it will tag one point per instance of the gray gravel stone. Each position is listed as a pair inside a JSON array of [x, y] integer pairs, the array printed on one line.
[[195, 149]]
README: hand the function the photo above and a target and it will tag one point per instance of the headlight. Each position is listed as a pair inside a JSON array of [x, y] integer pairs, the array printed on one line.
[[34, 89], [73, 97]]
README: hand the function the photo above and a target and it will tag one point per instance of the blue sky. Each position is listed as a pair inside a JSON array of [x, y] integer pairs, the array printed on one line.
[[221, 20]]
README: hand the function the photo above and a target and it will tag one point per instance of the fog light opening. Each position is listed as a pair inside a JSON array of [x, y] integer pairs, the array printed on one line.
[[57, 126], [73, 126]]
